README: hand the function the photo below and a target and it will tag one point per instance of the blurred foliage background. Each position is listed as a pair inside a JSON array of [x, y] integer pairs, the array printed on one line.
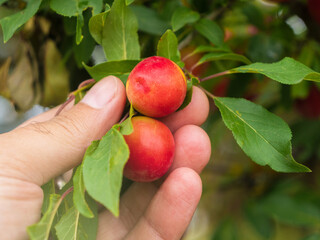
[[241, 200]]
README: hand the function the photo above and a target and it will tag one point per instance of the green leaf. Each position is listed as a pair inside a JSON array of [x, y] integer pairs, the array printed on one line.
[[211, 31], [216, 56], [96, 25], [149, 20], [83, 51], [208, 48], [126, 127], [76, 227], [79, 194], [120, 37], [11, 23], [48, 189], [41, 230], [103, 165], [128, 2], [80, 23], [168, 47], [183, 16], [263, 136], [286, 71], [65, 8], [3, 1], [188, 97], [72, 8], [111, 68]]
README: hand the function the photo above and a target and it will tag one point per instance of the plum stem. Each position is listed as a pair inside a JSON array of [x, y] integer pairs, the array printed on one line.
[[69, 190], [209, 94], [70, 99], [215, 75]]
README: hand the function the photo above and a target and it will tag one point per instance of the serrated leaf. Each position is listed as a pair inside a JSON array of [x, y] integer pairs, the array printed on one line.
[[48, 189], [111, 68], [96, 25], [41, 230], [211, 31], [103, 165], [263, 136], [216, 56], [79, 194], [149, 20], [183, 16], [286, 71], [168, 47], [11, 23], [120, 37], [73, 226]]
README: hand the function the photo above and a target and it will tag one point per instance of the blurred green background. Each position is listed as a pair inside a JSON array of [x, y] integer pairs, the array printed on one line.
[[241, 200]]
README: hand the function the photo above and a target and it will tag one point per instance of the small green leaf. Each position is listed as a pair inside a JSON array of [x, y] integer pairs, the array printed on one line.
[[80, 23], [208, 48], [79, 194], [216, 56], [120, 37], [65, 8], [286, 71], [103, 165], [128, 2], [74, 226], [11, 23], [183, 16], [126, 127], [96, 25], [168, 47], [149, 20], [116, 68], [211, 31], [41, 230], [72, 8], [48, 189], [263, 136], [188, 97]]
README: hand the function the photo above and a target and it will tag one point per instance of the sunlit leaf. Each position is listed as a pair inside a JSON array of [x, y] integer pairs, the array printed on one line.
[[120, 37], [263, 136], [102, 169]]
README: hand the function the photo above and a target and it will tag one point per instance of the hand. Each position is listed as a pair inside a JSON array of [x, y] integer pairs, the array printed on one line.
[[47, 146]]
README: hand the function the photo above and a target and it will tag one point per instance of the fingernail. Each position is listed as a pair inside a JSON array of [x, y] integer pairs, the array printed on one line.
[[101, 93]]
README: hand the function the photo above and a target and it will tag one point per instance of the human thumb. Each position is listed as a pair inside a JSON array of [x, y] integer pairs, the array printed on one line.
[[40, 151]]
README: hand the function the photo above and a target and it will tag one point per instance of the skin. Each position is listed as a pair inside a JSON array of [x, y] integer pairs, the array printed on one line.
[[151, 147], [156, 87], [47, 146]]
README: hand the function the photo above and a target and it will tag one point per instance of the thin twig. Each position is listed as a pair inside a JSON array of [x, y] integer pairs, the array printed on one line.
[[70, 99], [215, 75]]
